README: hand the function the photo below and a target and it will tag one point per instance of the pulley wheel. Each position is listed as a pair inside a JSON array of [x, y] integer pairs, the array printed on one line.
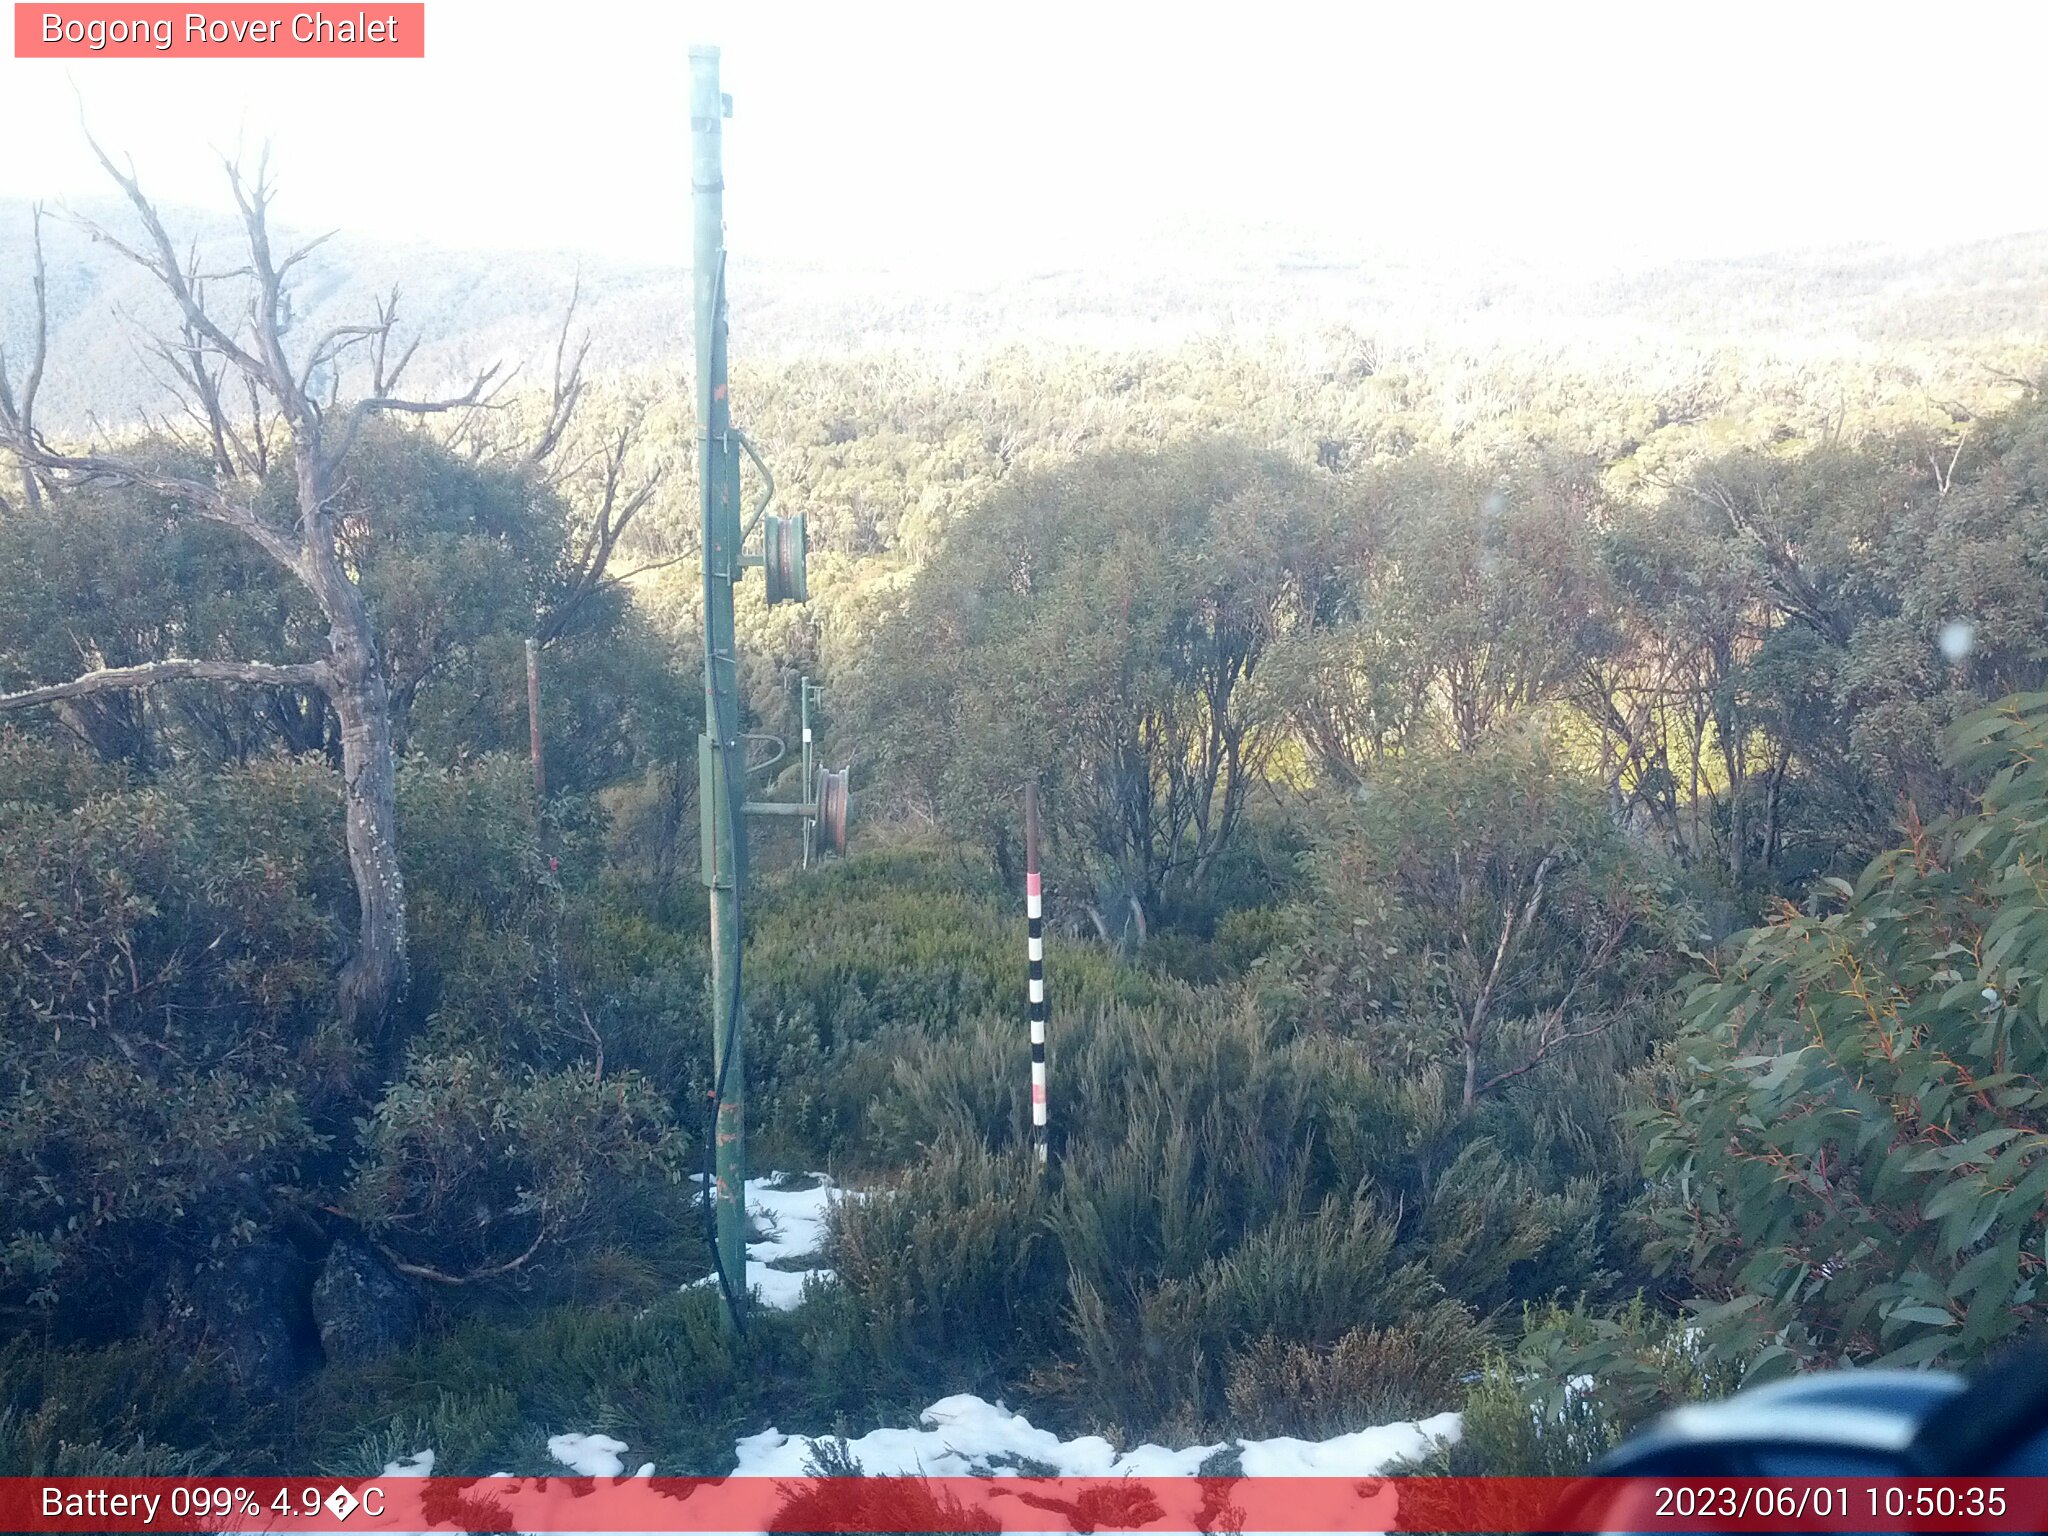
[[832, 798], [783, 546]]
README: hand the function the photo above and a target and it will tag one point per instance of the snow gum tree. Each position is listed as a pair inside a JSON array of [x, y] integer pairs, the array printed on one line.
[[1853, 1145], [259, 406]]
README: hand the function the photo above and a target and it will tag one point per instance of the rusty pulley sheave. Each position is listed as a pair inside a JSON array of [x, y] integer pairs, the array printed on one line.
[[783, 544], [832, 806]]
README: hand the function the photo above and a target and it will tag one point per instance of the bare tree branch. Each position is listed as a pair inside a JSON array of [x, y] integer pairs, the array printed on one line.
[[207, 501], [384, 381], [617, 507], [153, 673], [1552, 1037], [165, 267], [567, 391]]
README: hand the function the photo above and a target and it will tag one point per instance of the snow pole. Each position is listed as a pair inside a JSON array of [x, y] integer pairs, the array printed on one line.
[[1034, 943]]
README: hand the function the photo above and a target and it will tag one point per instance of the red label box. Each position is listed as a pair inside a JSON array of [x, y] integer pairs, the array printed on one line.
[[378, 30], [896, 1506]]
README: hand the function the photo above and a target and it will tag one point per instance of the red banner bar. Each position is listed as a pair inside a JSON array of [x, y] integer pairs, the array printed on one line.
[[886, 1506], [379, 30]]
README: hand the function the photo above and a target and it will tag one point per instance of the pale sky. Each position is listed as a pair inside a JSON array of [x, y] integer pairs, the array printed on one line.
[[978, 135]]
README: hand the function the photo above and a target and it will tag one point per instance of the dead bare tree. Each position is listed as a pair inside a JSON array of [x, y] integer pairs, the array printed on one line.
[[612, 504], [295, 409], [602, 493], [15, 413]]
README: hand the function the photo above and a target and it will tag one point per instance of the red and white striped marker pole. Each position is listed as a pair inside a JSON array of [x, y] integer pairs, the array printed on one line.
[[1035, 946]]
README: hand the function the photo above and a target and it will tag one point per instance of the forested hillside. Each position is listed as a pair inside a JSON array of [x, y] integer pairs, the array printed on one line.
[[1942, 319], [1543, 790]]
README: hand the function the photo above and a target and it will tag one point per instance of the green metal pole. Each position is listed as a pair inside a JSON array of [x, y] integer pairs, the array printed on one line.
[[720, 767]]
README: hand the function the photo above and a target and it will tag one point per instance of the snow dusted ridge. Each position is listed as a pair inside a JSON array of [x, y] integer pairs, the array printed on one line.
[[965, 1436], [795, 1222]]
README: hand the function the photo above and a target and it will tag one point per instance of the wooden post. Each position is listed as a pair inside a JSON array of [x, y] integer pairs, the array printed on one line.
[[540, 773], [1034, 927]]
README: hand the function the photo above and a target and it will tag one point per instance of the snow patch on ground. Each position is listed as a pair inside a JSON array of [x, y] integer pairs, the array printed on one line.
[[794, 1224], [965, 1436], [1361, 1453], [588, 1455]]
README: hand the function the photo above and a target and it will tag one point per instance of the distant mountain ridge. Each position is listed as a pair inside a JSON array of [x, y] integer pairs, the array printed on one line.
[[1174, 285]]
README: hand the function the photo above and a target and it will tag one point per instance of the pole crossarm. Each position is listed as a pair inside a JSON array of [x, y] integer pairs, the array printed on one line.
[[780, 808]]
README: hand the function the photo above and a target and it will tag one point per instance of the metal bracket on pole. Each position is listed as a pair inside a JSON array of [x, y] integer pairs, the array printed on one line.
[[768, 486]]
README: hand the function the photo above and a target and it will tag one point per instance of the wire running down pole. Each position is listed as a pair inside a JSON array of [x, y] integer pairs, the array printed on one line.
[[1034, 927]]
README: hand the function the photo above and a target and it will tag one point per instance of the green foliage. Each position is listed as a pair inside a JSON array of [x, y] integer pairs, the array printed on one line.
[[127, 1410], [176, 1083], [1482, 934], [115, 578], [165, 971], [1851, 1155], [1471, 597], [1098, 629], [1402, 750], [858, 972], [665, 1377], [1575, 1386], [1481, 911], [486, 1395], [1231, 1196], [472, 1170], [954, 1266], [1366, 1376], [458, 562]]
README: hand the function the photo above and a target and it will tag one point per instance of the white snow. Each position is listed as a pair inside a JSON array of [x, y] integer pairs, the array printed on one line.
[[965, 1436], [588, 1455], [794, 1223], [1361, 1453]]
